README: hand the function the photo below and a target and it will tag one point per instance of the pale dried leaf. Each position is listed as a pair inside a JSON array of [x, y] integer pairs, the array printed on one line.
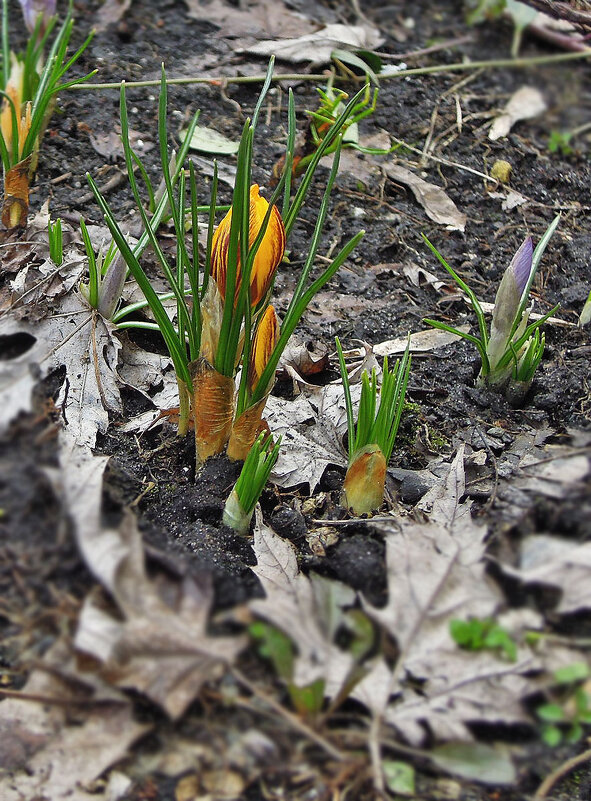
[[85, 344], [255, 18], [307, 610], [53, 756], [525, 104], [109, 13], [420, 341], [318, 46], [437, 204]]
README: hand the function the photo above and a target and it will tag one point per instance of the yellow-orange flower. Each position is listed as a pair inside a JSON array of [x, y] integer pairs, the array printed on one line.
[[14, 90], [268, 255], [264, 342]]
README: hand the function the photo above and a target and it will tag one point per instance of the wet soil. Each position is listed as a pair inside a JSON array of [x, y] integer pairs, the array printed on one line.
[[371, 299]]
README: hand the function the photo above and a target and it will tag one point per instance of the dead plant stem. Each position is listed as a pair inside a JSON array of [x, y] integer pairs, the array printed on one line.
[[501, 63], [560, 772]]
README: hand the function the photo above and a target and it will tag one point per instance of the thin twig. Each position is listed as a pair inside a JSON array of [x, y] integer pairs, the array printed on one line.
[[501, 63], [560, 773], [48, 699]]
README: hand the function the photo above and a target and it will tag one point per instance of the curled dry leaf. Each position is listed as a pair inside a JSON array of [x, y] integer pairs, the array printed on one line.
[[437, 204], [525, 104], [317, 47]]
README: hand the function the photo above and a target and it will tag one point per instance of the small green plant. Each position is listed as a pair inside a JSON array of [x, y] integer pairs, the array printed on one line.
[[512, 351], [254, 475], [477, 634], [321, 121], [371, 439], [559, 142], [521, 15], [224, 319], [585, 316], [29, 83], [276, 646], [56, 242], [564, 717]]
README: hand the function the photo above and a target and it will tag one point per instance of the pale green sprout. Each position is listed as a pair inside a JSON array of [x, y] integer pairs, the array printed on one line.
[[371, 438], [511, 352], [254, 475], [56, 242], [585, 316]]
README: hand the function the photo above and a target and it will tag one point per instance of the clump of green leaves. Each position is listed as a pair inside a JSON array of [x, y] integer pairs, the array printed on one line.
[[29, 83], [56, 242], [559, 142], [371, 437], [564, 717], [254, 475], [479, 634], [511, 352]]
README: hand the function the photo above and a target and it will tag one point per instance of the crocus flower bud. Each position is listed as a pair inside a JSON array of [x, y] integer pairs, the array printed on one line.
[[31, 10], [14, 91], [363, 489], [268, 255], [264, 342], [508, 300]]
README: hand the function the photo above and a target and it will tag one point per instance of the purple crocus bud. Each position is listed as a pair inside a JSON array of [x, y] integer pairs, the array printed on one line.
[[32, 9], [508, 301], [521, 264]]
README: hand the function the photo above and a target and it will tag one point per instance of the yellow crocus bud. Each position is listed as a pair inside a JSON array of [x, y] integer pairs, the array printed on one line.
[[14, 91], [363, 489], [268, 255], [263, 345]]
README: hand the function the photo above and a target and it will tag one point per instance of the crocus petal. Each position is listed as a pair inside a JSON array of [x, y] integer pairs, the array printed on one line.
[[264, 342], [31, 10], [268, 255], [521, 264], [363, 488]]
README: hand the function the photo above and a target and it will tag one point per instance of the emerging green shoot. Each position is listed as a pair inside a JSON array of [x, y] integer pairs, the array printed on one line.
[[29, 83], [477, 634], [56, 242], [569, 710], [371, 439], [585, 316], [512, 351], [254, 475]]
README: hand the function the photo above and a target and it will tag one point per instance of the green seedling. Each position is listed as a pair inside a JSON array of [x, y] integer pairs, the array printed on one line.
[[254, 475], [511, 352], [371, 438], [564, 718], [56, 242], [585, 316], [478, 634]]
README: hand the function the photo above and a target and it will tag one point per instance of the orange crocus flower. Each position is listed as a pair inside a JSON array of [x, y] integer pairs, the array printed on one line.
[[263, 344], [268, 255]]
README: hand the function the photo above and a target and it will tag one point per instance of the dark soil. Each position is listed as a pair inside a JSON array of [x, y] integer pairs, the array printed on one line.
[[180, 516]]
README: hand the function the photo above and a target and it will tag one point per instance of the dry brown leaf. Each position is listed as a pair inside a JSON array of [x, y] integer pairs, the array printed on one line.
[[437, 204], [420, 341], [308, 610], [525, 104], [110, 12], [254, 18], [53, 754], [317, 47]]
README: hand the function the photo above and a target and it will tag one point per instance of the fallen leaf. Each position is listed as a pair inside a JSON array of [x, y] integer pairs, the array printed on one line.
[[420, 341], [253, 18], [110, 12], [71, 336], [436, 573], [525, 104], [308, 610], [208, 140], [437, 204], [63, 754], [317, 47], [475, 761]]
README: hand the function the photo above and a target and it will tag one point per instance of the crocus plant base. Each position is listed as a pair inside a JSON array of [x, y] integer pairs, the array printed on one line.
[[245, 430], [365, 482], [213, 408], [16, 195]]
